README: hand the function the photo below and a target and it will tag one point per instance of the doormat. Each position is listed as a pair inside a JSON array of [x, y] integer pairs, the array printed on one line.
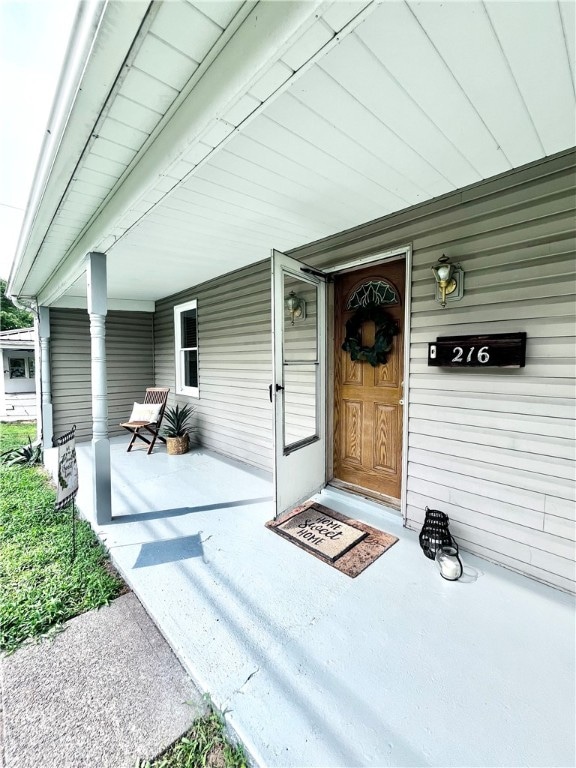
[[346, 544]]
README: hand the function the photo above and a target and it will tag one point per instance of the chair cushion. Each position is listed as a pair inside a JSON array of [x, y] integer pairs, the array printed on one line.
[[145, 412]]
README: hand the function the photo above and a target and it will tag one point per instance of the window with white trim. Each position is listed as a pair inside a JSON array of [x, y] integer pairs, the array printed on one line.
[[21, 367], [186, 338]]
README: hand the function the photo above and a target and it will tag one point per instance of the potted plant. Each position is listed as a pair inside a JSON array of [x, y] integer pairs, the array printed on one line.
[[177, 421]]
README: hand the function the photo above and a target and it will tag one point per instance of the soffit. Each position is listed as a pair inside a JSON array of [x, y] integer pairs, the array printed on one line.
[[418, 100], [175, 42]]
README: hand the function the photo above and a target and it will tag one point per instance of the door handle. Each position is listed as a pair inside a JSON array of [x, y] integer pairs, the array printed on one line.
[[278, 388]]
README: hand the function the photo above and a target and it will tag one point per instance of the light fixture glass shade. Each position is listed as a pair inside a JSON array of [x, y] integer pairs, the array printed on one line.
[[444, 271], [292, 302], [444, 275], [295, 306]]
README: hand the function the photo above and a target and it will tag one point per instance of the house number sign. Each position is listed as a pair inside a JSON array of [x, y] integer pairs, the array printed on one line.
[[502, 350]]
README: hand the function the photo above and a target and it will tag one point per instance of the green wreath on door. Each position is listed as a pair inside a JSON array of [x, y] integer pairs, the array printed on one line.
[[386, 329]]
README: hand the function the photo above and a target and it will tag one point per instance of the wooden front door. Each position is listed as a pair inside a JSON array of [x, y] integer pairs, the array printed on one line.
[[367, 400]]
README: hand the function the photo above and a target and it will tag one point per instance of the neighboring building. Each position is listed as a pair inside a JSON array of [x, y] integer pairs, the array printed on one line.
[[366, 141], [18, 388]]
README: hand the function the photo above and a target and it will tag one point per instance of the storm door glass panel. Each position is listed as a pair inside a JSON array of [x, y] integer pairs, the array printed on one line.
[[300, 362]]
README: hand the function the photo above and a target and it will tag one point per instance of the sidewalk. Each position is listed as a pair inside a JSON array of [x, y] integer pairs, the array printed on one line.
[[101, 694]]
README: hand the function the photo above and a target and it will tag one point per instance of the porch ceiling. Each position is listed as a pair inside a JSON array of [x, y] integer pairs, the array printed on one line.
[[357, 117]]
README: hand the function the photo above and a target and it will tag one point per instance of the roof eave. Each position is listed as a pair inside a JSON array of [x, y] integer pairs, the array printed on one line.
[[102, 35]]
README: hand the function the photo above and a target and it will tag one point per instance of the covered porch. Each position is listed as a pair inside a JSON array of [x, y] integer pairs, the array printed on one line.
[[396, 667], [191, 138]]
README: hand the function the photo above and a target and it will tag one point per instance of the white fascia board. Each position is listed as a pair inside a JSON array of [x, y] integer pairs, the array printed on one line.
[[267, 30], [101, 38]]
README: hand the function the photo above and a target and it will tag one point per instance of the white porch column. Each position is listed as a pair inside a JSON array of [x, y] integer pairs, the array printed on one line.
[[98, 308], [44, 379]]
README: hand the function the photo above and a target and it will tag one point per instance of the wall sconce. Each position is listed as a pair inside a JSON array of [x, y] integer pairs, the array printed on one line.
[[296, 307], [449, 281]]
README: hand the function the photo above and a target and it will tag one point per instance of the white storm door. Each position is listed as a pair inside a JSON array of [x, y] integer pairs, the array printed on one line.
[[299, 386]]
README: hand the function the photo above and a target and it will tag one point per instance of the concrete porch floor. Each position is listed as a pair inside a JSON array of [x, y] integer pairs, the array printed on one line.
[[394, 668]]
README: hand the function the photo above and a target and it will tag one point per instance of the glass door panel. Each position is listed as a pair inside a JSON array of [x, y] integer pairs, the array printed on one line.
[[300, 361]]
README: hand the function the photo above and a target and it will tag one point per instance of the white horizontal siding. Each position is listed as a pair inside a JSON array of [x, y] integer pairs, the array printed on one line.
[[493, 448], [129, 358], [233, 412]]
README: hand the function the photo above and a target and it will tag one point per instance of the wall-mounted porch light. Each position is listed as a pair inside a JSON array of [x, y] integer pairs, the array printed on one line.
[[296, 307], [449, 281]]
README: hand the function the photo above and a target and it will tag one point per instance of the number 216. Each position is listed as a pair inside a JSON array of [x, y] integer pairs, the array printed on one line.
[[482, 355]]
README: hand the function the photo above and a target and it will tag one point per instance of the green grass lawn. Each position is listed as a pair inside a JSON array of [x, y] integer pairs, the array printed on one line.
[[205, 744], [16, 434], [39, 585]]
